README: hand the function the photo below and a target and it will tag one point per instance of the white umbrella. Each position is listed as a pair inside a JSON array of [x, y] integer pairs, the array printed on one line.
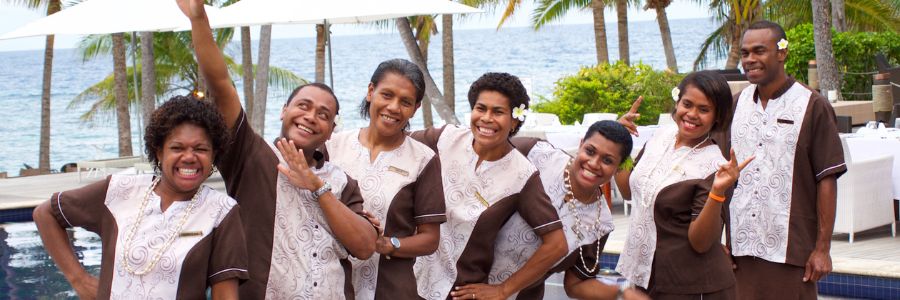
[[267, 12]]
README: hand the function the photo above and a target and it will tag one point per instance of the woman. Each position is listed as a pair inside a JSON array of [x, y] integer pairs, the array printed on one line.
[[165, 235], [484, 183], [573, 184], [679, 184], [400, 180]]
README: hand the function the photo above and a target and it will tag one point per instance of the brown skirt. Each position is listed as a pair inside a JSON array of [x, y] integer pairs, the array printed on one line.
[[726, 294], [761, 279]]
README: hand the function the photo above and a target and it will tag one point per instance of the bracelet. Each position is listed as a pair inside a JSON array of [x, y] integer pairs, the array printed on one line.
[[717, 198]]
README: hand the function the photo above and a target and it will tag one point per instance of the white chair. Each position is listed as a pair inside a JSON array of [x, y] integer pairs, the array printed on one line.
[[864, 195], [95, 167], [591, 118], [665, 119], [535, 119]]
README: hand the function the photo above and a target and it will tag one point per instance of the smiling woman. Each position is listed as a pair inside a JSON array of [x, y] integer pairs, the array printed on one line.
[[162, 234]]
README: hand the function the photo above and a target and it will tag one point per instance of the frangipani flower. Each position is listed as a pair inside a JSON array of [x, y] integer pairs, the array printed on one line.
[[782, 44], [675, 93], [520, 112]]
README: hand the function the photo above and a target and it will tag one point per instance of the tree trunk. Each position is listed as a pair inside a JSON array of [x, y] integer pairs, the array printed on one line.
[[666, 35], [734, 46], [838, 17], [427, 117], [121, 94], [622, 17], [258, 118], [247, 66], [447, 49], [320, 53], [600, 31], [44, 147], [431, 90], [825, 63], [148, 77]]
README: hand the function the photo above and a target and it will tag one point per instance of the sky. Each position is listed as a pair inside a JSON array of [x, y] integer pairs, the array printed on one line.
[[12, 17]]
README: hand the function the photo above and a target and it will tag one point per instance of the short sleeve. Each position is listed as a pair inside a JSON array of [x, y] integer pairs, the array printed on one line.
[[701, 195], [429, 136], [352, 197], [535, 207], [244, 141], [228, 259], [81, 207], [826, 154], [429, 195], [524, 144], [587, 256]]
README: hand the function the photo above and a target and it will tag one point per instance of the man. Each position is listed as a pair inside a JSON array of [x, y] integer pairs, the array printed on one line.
[[782, 213], [303, 213]]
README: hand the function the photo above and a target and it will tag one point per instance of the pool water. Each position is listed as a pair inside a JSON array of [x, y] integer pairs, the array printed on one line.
[[26, 270]]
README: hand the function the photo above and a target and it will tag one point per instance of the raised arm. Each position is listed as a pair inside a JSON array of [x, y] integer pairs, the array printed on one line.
[[211, 62], [703, 230]]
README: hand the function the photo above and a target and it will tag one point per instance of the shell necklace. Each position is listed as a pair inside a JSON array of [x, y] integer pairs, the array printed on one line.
[[649, 193], [570, 200], [171, 239]]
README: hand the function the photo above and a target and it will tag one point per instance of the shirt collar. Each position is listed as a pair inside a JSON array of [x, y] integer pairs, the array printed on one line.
[[780, 91]]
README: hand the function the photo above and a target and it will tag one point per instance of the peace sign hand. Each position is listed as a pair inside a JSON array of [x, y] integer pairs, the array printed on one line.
[[632, 115], [728, 174], [297, 170]]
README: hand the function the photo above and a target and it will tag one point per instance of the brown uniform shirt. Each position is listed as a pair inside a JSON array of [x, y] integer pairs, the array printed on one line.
[[479, 202], [294, 253], [403, 188], [213, 251]]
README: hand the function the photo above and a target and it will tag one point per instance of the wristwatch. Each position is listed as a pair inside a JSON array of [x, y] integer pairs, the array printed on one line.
[[395, 242], [322, 190]]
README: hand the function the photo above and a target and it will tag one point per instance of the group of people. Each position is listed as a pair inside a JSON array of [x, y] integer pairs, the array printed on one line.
[[463, 212]]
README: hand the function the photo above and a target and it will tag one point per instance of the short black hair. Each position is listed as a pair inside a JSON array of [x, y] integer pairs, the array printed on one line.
[[503, 83], [776, 29], [180, 110], [400, 67], [324, 87], [614, 132], [714, 86]]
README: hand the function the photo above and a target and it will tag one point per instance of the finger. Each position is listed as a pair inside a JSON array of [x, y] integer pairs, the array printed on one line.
[[746, 162], [636, 104], [807, 273], [301, 158], [284, 170]]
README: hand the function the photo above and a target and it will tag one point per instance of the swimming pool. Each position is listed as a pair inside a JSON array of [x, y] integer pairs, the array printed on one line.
[[27, 272]]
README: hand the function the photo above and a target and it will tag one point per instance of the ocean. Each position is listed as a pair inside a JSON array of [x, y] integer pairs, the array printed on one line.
[[538, 57]]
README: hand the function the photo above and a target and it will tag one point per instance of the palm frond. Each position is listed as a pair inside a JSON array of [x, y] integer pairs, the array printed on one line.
[[716, 41], [551, 10]]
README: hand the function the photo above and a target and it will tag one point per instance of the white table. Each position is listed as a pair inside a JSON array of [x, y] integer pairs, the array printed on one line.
[[863, 146], [568, 137]]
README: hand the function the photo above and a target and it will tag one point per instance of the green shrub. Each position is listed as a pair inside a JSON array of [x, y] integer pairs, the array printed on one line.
[[611, 88], [854, 52]]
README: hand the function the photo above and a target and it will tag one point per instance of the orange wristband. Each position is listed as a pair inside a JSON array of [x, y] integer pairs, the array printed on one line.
[[718, 198]]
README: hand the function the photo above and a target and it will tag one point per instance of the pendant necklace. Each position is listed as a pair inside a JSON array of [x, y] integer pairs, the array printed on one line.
[[570, 200]]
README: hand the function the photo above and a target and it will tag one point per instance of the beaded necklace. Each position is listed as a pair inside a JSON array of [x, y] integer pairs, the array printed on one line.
[[171, 239], [570, 200]]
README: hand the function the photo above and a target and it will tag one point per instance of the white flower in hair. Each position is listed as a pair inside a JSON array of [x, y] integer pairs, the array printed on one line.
[[675, 93], [782, 44], [520, 112]]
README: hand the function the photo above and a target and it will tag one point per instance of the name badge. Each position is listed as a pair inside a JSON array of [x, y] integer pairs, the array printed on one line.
[[482, 200], [190, 233], [784, 121], [398, 170]]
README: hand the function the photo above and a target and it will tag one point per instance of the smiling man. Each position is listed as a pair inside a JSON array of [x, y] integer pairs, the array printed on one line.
[[303, 213], [782, 213]]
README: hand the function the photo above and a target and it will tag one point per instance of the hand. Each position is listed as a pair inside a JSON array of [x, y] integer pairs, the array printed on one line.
[[86, 286], [728, 174], [634, 294], [374, 220], [817, 266], [730, 258], [479, 291], [297, 170], [383, 246], [193, 9], [632, 115]]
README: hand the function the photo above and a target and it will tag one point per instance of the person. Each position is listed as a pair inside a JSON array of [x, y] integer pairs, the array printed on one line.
[[484, 183], [782, 214], [573, 184], [679, 184], [163, 235], [400, 181], [302, 214]]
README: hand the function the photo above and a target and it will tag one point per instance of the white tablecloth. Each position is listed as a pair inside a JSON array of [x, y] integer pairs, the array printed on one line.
[[873, 145], [568, 137]]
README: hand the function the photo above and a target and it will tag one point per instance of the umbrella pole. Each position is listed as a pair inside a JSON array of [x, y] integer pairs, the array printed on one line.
[[328, 44], [137, 91]]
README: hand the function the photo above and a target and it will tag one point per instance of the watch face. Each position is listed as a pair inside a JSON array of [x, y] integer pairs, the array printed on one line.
[[395, 242]]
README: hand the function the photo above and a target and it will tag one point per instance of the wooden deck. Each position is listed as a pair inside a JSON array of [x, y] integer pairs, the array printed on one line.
[[874, 253]]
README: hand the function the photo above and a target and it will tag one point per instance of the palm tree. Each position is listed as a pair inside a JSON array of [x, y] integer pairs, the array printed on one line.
[[320, 52], [664, 32], [622, 20], [415, 54], [424, 27], [837, 15], [123, 116], [148, 75], [734, 16], [260, 96], [52, 6], [551, 10], [247, 65], [829, 79], [447, 54], [861, 15]]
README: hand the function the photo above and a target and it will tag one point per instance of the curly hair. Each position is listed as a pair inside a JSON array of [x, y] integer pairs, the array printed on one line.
[[503, 83], [614, 132], [180, 110]]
